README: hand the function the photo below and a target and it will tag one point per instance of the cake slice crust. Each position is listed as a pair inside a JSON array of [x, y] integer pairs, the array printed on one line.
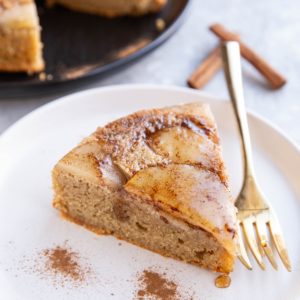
[[127, 180]]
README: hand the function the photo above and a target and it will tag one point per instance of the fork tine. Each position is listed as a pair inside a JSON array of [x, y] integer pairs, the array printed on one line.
[[241, 251], [247, 225], [277, 237], [261, 250], [261, 226]]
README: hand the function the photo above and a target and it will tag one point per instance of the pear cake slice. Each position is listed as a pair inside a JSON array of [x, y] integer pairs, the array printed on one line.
[[156, 179]]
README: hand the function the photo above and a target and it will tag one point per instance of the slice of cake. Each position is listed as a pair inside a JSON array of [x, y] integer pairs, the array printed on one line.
[[20, 44], [156, 179], [112, 8]]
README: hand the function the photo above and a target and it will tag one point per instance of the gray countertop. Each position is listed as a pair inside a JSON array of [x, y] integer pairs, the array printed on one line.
[[271, 27]]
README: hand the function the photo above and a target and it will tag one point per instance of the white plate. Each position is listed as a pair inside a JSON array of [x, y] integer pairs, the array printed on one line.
[[30, 148]]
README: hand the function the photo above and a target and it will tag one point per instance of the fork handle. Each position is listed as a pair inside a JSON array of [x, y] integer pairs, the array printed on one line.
[[232, 68]]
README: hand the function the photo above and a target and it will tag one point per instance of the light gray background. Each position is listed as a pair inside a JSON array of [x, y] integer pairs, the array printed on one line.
[[272, 27]]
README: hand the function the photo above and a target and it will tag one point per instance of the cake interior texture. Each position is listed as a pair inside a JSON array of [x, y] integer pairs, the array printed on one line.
[[21, 47], [135, 179]]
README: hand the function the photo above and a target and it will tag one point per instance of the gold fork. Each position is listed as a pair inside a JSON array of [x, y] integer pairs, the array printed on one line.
[[255, 214]]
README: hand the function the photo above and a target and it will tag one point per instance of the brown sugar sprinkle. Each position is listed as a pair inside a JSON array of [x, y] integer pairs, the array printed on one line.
[[153, 285]]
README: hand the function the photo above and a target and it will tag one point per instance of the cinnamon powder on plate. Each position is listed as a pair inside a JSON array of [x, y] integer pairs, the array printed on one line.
[[62, 265], [64, 261], [153, 285]]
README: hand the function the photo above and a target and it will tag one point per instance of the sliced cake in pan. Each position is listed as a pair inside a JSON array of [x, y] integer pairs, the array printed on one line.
[[20, 43]]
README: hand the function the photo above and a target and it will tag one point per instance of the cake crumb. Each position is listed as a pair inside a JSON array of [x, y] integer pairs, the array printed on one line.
[[42, 76], [160, 24], [49, 76]]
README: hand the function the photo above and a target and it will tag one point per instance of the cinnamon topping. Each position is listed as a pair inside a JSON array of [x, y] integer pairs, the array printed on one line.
[[61, 265], [65, 262], [155, 286]]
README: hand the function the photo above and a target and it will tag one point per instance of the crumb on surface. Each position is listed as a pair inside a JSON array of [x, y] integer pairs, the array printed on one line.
[[160, 24], [43, 76]]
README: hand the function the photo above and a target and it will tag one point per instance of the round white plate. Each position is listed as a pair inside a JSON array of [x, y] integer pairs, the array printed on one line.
[[28, 223]]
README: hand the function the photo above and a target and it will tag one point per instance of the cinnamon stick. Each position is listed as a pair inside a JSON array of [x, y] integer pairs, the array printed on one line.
[[274, 77], [206, 70]]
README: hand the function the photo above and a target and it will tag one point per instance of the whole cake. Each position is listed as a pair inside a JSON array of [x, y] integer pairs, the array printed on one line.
[[20, 45], [156, 179]]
